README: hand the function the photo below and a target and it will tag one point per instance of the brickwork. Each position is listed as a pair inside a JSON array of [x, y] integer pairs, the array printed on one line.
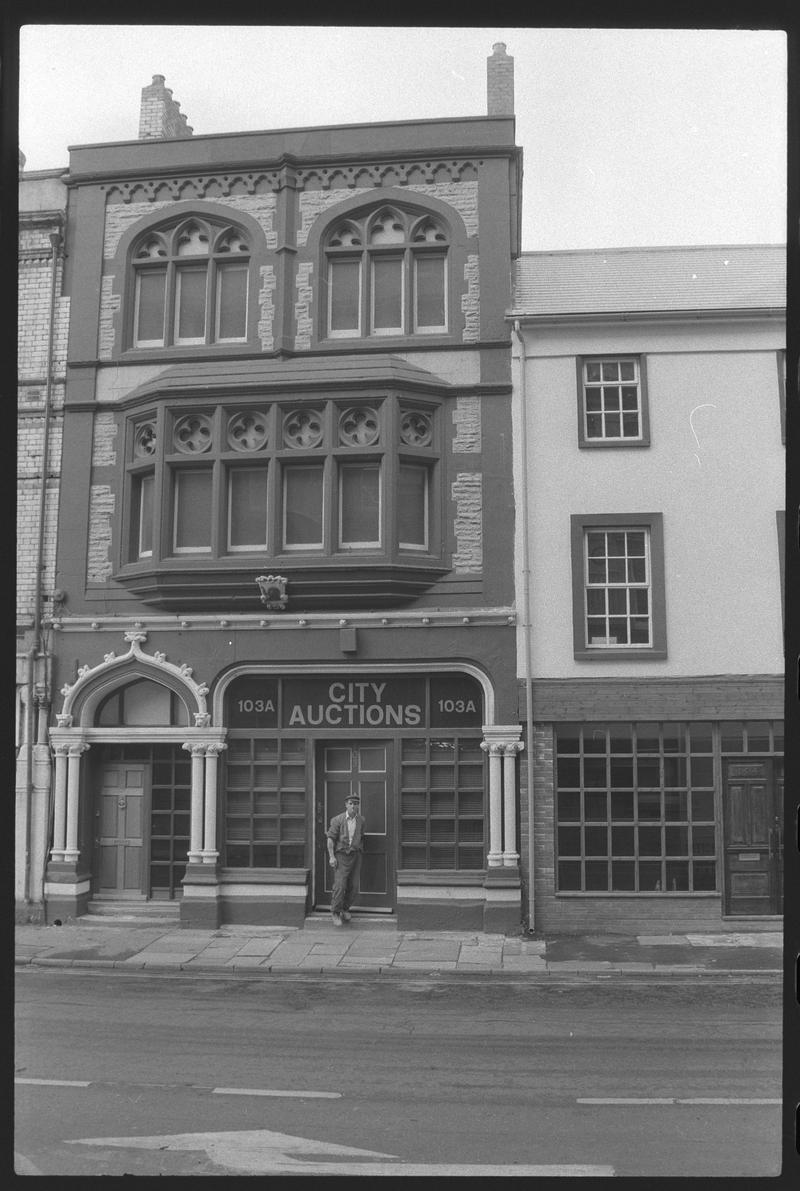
[[160, 115], [467, 494], [471, 301], [34, 312], [104, 440], [500, 82], [467, 421], [109, 306], [266, 305], [732, 697], [303, 306], [28, 496], [101, 510]]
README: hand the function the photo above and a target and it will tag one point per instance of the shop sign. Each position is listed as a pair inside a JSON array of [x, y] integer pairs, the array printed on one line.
[[353, 702]]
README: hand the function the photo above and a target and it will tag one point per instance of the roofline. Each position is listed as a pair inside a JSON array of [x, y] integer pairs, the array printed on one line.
[[718, 313], [645, 248]]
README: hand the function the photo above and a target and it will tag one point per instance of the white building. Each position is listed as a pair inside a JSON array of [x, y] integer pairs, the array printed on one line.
[[649, 471]]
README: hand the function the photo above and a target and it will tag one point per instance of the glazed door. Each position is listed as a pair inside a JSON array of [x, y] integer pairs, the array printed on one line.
[[119, 844], [363, 767], [753, 838]]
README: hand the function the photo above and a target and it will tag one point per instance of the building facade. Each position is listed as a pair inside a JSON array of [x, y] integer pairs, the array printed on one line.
[[286, 521], [649, 459]]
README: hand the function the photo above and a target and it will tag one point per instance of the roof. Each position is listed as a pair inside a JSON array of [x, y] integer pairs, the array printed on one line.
[[640, 280]]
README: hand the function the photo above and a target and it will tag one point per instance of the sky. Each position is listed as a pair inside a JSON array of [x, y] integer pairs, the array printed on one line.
[[631, 137]]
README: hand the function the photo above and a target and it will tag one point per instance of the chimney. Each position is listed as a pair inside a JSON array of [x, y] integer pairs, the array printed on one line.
[[160, 116], [500, 81]]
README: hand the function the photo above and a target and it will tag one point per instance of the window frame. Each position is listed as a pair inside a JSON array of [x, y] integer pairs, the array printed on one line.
[[643, 438], [652, 524], [781, 365], [173, 265]]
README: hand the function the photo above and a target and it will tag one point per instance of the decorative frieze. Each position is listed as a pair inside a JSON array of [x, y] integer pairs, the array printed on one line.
[[119, 217], [462, 196], [199, 186]]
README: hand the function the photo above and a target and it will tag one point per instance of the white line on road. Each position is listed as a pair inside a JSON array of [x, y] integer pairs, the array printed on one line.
[[672, 1100], [57, 1083], [276, 1092]]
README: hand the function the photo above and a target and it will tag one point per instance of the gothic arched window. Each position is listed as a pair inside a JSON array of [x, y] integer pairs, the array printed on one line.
[[386, 274], [190, 287]]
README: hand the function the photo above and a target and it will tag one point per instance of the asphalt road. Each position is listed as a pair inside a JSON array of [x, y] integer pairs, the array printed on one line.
[[178, 1075]]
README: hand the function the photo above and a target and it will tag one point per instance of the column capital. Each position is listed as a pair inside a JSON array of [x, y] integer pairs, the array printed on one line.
[[77, 747], [513, 748], [192, 746], [215, 748]]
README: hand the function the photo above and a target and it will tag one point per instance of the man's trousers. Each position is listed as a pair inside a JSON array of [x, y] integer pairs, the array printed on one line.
[[345, 881]]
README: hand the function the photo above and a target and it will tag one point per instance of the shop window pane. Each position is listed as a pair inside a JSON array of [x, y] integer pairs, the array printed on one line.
[[232, 301], [703, 843], [622, 841], [704, 875], [569, 841], [470, 775], [414, 830], [674, 738], [649, 841], [150, 290], [594, 738], [674, 771], [596, 841], [623, 875], [568, 738], [649, 877], [429, 310], [180, 825], [161, 824], [265, 776], [192, 532], [387, 294], [442, 777], [676, 805], [700, 738], [621, 805], [265, 803], [702, 805], [732, 737], [470, 831], [237, 750], [239, 801], [290, 748], [344, 279], [293, 802], [160, 877], [622, 774], [237, 829], [470, 802], [442, 858], [265, 829], [413, 857], [413, 749], [265, 856], [470, 750], [470, 857], [594, 771], [647, 738], [359, 505], [413, 507], [595, 805], [757, 737], [649, 804], [621, 738], [162, 800], [247, 508], [237, 856], [676, 841], [569, 772], [302, 506], [292, 829], [293, 856], [443, 802], [569, 875], [190, 305], [161, 849], [677, 875], [648, 773], [569, 807], [596, 875], [702, 771], [415, 777]]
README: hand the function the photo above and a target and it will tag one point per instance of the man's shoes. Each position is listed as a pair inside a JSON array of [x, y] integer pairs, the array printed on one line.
[[346, 915], [337, 919]]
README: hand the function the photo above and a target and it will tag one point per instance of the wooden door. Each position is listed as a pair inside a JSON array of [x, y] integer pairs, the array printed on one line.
[[119, 868], [752, 839], [363, 767]]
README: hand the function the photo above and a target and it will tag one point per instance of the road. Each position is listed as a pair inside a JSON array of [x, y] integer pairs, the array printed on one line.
[[181, 1075]]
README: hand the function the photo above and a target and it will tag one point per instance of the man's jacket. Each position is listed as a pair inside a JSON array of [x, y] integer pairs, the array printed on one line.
[[338, 833]]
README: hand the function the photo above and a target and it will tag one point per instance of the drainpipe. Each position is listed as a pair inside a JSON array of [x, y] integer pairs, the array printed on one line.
[[527, 631], [55, 243]]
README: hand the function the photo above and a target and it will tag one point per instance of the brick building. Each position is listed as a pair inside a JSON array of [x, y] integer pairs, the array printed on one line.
[[649, 456], [286, 520]]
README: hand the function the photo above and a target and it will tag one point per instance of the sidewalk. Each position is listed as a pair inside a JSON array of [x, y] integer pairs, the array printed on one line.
[[324, 949]]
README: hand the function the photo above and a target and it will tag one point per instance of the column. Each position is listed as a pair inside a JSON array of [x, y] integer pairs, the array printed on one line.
[[210, 855], [495, 751], [71, 852], [60, 803], [510, 853], [196, 816]]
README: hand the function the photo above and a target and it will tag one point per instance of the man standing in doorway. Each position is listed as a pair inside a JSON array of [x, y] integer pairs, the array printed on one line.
[[345, 846]]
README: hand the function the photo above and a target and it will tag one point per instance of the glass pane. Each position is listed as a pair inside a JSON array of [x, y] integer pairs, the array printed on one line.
[[429, 277], [568, 738], [596, 875], [191, 304], [592, 370], [622, 841], [594, 738], [387, 294], [360, 506], [302, 497], [621, 738], [143, 517], [649, 841], [700, 738], [612, 425], [703, 841], [232, 301], [677, 875], [704, 875], [648, 773], [193, 510], [247, 508], [758, 737], [344, 285], [150, 287], [647, 738], [596, 841], [622, 773], [702, 771], [732, 737], [594, 426], [676, 841], [621, 805], [676, 805], [569, 874], [674, 771], [649, 804], [703, 806], [413, 506], [595, 805], [623, 875], [649, 877], [594, 771], [569, 772], [569, 841], [569, 807]]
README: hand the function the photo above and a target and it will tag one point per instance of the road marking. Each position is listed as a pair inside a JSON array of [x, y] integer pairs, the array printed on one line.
[[260, 1151], [57, 1083], [673, 1100], [276, 1092]]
